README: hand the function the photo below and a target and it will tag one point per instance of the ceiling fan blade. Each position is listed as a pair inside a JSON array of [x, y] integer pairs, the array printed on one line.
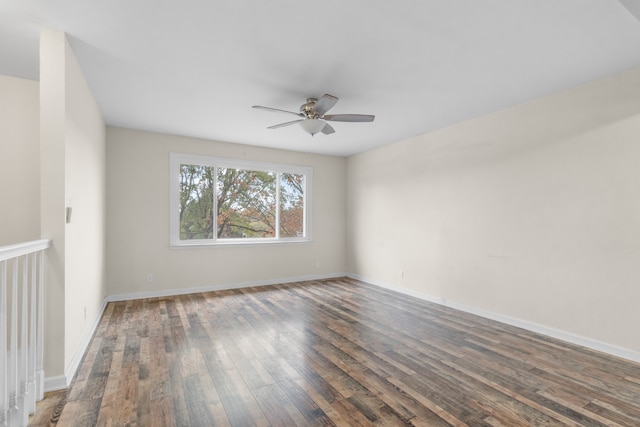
[[324, 104], [327, 129], [350, 117], [281, 125], [277, 110]]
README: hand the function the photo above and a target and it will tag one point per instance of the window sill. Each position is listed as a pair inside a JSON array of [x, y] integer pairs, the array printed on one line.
[[227, 243]]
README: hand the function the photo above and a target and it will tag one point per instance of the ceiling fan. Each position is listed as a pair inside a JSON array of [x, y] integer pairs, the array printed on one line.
[[314, 118]]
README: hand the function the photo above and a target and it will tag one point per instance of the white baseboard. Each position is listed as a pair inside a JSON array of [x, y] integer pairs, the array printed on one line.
[[611, 349], [63, 381], [84, 344], [221, 287], [55, 383]]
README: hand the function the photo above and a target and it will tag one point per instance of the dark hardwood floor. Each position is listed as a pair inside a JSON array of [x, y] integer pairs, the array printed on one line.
[[336, 352]]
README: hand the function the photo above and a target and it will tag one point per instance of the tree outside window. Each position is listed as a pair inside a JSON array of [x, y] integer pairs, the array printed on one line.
[[221, 203]]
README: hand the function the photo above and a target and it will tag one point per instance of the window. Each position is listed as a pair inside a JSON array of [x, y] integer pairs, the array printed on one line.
[[223, 201]]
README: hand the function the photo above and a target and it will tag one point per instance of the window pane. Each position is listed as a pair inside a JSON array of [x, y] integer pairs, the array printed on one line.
[[226, 201], [246, 203], [196, 202], [291, 205]]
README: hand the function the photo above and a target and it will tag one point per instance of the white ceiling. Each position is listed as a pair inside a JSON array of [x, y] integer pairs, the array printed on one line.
[[195, 67]]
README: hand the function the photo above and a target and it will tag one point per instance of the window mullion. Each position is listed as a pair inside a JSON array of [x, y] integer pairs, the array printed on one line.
[[305, 191], [277, 224], [214, 194]]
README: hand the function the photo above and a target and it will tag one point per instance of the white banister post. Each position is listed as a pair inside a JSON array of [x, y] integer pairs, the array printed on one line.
[[12, 371], [31, 380], [4, 395], [22, 347], [40, 330]]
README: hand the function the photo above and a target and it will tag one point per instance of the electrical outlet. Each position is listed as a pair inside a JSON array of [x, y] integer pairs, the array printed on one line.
[[85, 313], [149, 277], [317, 264], [401, 274]]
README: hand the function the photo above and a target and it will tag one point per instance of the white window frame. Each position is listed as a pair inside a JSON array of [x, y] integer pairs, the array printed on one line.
[[177, 159]]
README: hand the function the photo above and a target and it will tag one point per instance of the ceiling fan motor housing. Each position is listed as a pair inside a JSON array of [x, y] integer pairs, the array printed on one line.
[[308, 108]]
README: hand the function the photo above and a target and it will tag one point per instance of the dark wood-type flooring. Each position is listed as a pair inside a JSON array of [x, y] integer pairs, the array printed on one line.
[[336, 352]]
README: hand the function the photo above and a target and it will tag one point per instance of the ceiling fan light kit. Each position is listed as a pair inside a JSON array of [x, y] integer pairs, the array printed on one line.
[[313, 119], [312, 126]]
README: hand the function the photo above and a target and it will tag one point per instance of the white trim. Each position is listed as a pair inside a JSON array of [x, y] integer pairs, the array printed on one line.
[[220, 287], [63, 381], [55, 383], [20, 249], [84, 345], [207, 243], [551, 332], [593, 344]]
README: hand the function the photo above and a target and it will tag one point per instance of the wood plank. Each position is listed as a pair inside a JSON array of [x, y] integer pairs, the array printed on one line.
[[335, 352]]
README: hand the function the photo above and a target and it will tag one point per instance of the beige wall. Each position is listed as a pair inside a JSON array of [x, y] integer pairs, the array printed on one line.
[[72, 152], [531, 213], [138, 219], [19, 160], [85, 193], [52, 200]]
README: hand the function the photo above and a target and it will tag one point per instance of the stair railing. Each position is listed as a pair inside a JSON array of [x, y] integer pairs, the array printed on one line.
[[21, 330]]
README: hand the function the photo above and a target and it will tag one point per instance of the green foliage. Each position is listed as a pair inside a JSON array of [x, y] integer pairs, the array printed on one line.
[[245, 203], [196, 202], [291, 205]]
